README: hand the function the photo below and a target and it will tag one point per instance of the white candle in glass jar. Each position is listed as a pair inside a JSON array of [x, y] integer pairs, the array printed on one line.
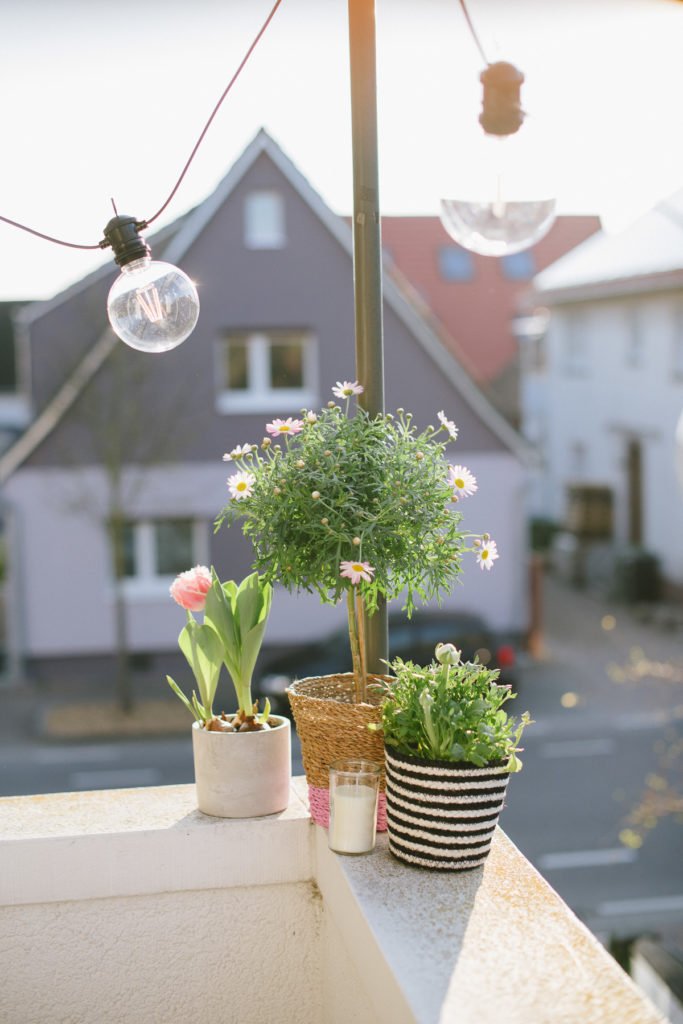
[[353, 814]]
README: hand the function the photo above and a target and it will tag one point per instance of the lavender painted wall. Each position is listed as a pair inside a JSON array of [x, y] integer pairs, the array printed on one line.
[[158, 417]]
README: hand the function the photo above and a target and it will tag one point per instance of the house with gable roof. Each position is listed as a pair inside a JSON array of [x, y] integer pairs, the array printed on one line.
[[118, 432], [602, 397], [471, 300]]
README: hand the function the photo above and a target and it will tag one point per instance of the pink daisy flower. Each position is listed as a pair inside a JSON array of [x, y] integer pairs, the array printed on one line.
[[356, 571], [288, 426]]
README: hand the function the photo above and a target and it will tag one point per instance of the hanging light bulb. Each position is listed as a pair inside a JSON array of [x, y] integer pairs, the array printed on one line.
[[152, 306], [502, 205]]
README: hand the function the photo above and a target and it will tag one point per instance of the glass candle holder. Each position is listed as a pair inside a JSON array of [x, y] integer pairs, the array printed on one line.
[[354, 789]]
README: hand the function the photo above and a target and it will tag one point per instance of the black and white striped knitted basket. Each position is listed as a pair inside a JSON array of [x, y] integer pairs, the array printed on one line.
[[442, 815]]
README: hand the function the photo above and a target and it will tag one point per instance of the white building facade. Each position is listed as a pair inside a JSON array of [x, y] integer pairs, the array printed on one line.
[[602, 390]]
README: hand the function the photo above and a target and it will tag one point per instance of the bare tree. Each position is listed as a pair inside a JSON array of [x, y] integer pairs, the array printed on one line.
[[112, 426]]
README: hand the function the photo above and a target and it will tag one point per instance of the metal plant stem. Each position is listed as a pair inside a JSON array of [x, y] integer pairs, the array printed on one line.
[[367, 252]]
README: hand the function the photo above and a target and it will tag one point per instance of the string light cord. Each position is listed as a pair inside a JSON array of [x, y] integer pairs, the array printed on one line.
[[48, 238], [215, 110], [473, 33], [104, 244]]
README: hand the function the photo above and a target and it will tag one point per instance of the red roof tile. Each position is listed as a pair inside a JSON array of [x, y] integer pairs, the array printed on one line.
[[476, 314]]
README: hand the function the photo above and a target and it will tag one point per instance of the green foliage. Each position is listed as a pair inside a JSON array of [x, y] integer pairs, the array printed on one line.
[[447, 712], [200, 713], [353, 488], [203, 650], [238, 616], [541, 533], [235, 618]]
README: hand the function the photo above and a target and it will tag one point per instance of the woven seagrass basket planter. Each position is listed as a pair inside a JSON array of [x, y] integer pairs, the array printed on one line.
[[442, 815], [331, 726]]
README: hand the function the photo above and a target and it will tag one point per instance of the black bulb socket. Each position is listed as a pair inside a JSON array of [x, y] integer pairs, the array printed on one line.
[[122, 233], [502, 112]]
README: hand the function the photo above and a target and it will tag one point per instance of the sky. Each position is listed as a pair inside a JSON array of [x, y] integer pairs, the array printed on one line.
[[102, 100]]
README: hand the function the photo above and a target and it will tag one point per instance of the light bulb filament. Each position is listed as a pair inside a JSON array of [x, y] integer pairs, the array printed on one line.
[[150, 303], [498, 207]]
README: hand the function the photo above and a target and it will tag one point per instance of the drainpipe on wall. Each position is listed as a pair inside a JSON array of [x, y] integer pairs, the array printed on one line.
[[13, 672]]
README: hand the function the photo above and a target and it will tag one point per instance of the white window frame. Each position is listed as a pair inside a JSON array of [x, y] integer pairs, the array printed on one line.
[[634, 350], [576, 346], [147, 582], [677, 343], [264, 220], [259, 395]]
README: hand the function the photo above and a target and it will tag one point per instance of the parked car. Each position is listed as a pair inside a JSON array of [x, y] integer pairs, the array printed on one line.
[[411, 639]]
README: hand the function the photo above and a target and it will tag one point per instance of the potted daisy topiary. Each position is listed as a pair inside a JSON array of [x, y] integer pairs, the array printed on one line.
[[354, 508]]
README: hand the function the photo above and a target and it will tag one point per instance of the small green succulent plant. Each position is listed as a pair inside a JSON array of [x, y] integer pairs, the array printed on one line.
[[452, 711]]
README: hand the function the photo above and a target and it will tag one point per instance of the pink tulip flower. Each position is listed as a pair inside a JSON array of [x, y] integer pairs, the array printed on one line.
[[190, 588]]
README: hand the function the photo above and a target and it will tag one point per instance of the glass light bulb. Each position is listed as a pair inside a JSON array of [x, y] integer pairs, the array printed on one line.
[[152, 306], [501, 204]]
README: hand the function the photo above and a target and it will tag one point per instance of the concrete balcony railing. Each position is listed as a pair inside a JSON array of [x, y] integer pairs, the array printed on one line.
[[131, 907]]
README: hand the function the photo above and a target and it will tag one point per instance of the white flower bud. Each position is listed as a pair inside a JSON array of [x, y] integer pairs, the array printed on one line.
[[447, 654], [315, 495]]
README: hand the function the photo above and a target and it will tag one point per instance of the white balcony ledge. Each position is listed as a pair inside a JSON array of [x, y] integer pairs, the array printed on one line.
[[129, 905]]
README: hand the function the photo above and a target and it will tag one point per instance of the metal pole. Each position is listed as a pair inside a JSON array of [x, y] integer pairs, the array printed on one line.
[[367, 250]]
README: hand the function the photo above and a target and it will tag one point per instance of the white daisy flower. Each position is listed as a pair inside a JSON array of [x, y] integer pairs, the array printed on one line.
[[462, 481], [241, 485], [487, 553], [346, 388], [448, 425], [238, 453]]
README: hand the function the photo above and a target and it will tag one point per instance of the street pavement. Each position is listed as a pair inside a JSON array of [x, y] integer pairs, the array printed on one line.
[[606, 696]]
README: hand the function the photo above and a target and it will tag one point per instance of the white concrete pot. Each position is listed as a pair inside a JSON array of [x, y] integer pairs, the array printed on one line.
[[243, 774]]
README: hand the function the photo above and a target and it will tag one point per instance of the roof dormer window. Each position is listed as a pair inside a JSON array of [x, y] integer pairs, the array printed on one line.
[[264, 220]]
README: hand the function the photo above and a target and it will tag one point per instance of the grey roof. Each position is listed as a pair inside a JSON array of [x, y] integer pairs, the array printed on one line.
[[180, 235], [648, 255]]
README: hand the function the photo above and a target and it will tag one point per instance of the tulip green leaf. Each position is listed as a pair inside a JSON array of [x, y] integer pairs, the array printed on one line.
[[203, 650]]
